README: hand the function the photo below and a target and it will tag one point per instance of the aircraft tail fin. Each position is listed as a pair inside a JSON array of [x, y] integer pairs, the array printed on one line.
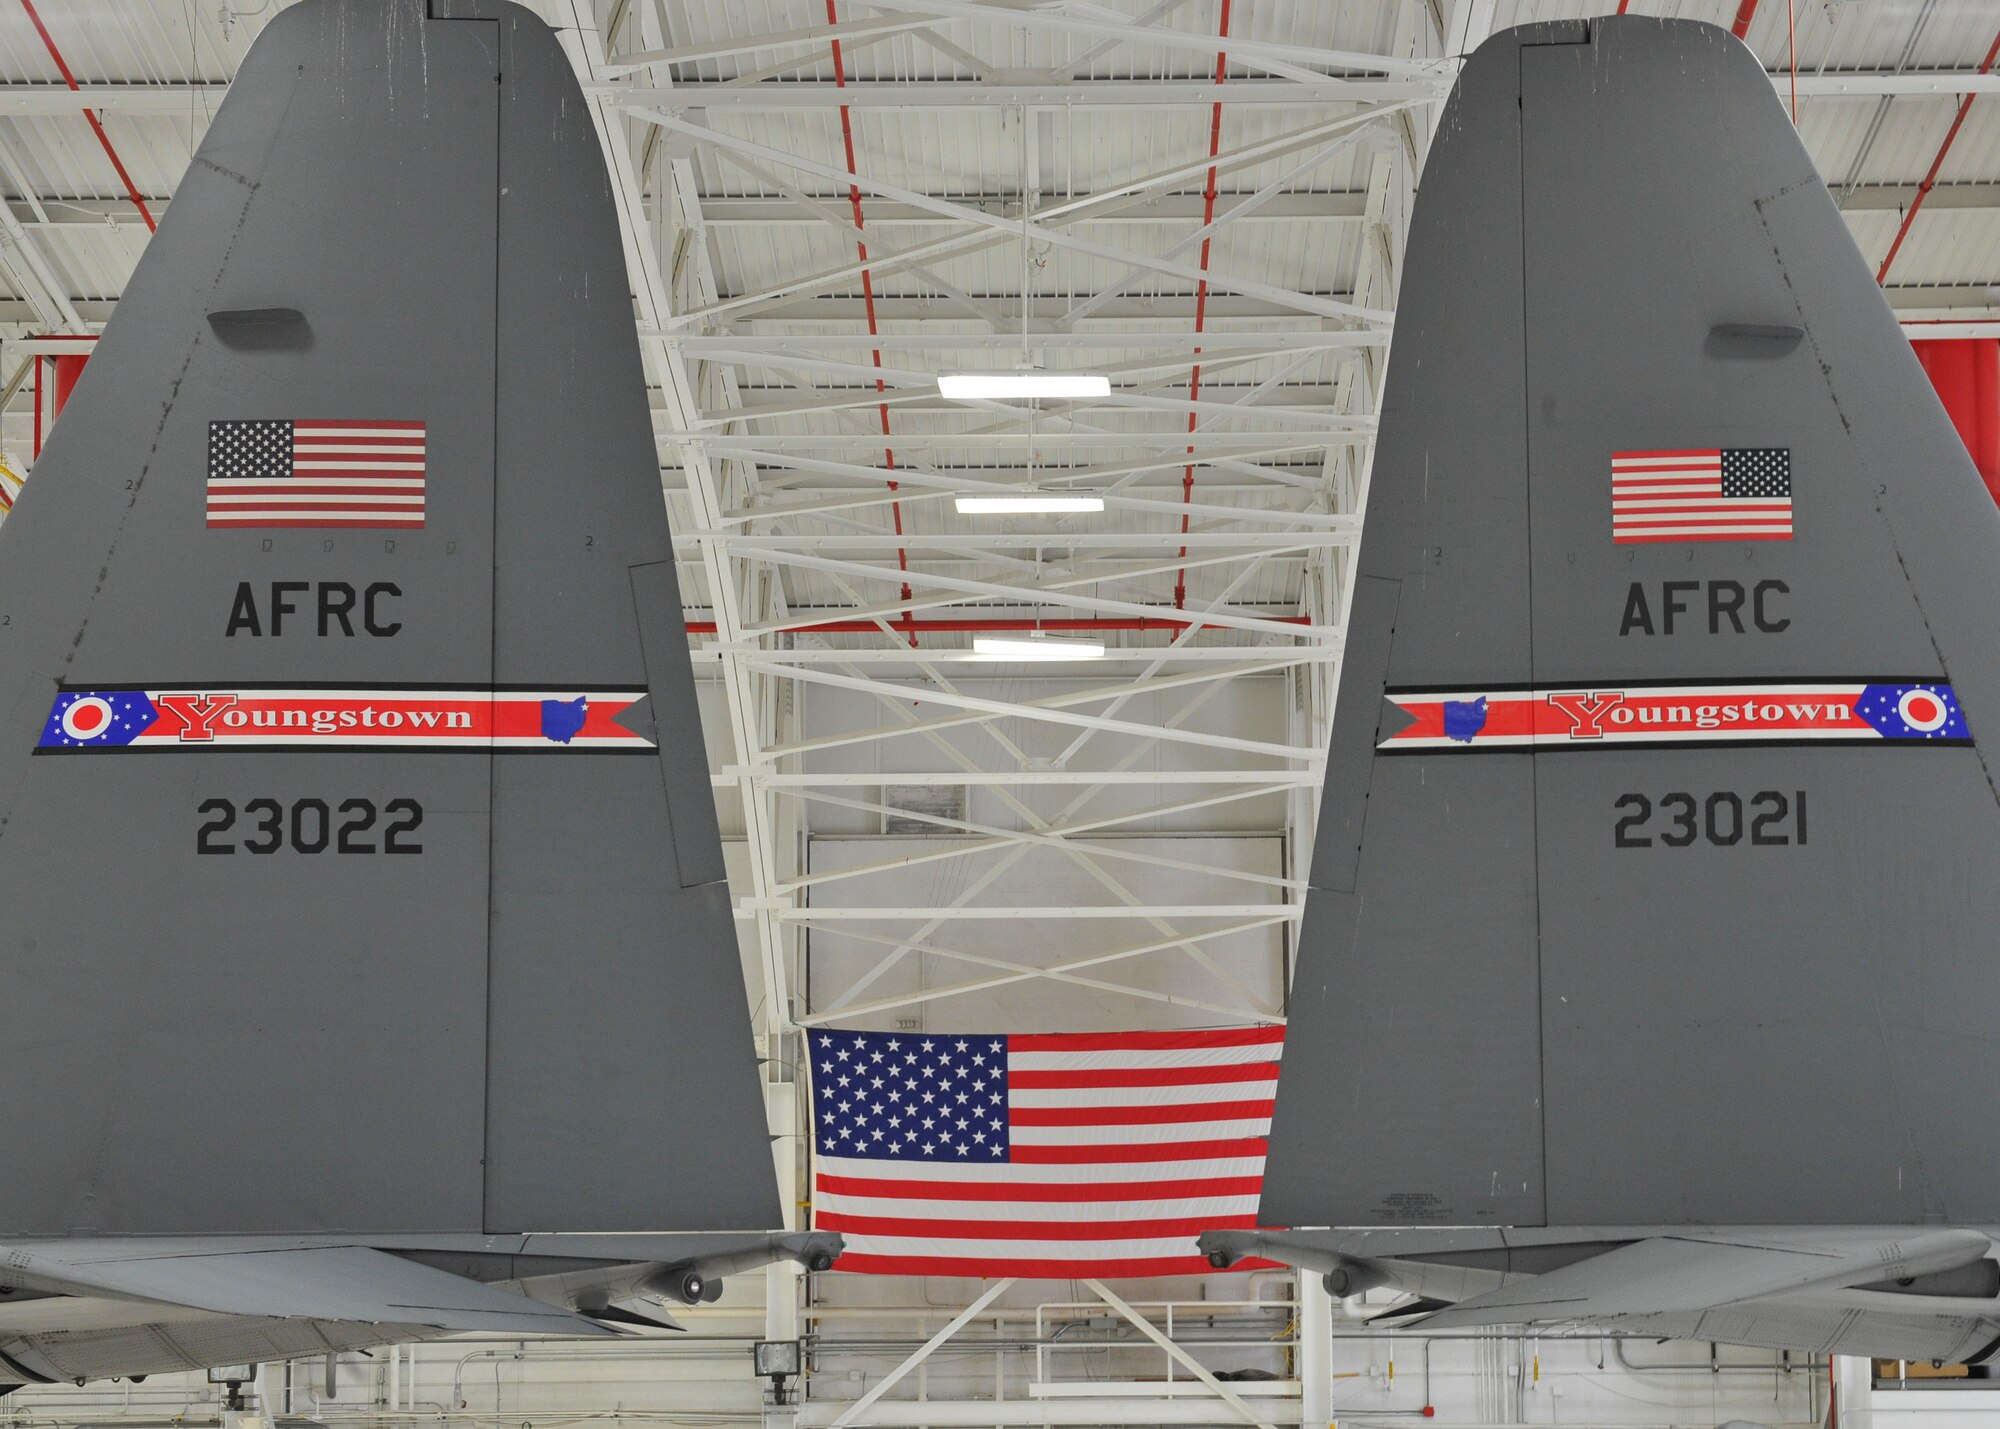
[[363, 872], [1660, 816]]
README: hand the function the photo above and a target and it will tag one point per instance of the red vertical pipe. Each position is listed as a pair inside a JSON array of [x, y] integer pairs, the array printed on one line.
[[1201, 293], [97, 128], [1966, 374], [867, 290], [69, 367], [38, 405], [1924, 188]]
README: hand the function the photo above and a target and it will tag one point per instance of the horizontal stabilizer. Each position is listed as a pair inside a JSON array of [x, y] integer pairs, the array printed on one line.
[[1670, 1275], [350, 1283]]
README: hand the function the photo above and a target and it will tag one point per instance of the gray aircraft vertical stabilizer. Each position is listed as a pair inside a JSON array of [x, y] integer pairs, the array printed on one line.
[[1659, 870], [362, 873]]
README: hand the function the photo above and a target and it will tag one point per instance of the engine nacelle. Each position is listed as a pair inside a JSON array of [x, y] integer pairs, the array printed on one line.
[[1354, 1277], [685, 1284]]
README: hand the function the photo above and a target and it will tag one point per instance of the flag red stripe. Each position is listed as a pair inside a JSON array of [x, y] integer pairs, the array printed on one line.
[[350, 423], [1712, 501], [1037, 1079], [403, 445], [346, 500], [1710, 518], [1139, 1115], [315, 487], [1661, 473], [1107, 1154], [1144, 1041], [355, 520], [1715, 452], [1029, 1230], [1784, 535], [1060, 1191], [985, 1268]]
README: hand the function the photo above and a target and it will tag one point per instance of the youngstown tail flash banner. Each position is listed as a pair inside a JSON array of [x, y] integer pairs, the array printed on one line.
[[1054, 1155]]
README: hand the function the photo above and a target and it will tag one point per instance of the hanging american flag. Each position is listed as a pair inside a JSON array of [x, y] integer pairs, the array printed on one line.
[[1055, 1155], [326, 473], [1714, 494]]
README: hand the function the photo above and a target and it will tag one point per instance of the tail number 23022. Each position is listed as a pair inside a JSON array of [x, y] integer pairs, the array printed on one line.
[[310, 826]]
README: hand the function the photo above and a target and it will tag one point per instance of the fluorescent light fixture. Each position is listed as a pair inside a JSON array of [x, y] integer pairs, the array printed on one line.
[[1003, 386], [1024, 505], [1036, 647]]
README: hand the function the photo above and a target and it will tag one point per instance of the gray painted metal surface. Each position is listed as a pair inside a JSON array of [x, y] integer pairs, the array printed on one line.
[[1658, 830], [537, 1022], [1576, 981]]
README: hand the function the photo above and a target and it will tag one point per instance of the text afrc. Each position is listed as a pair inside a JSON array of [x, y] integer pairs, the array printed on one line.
[[297, 607]]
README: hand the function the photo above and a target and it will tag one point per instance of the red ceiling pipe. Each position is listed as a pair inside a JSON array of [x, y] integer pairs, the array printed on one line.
[[96, 127], [950, 625], [1745, 13], [1924, 188], [1966, 374], [867, 289], [1201, 291]]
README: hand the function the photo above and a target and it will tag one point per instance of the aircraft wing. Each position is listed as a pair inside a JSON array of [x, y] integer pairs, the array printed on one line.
[[1674, 1274], [347, 1283]]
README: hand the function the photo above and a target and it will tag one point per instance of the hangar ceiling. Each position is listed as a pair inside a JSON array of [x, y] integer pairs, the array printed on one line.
[[827, 205]]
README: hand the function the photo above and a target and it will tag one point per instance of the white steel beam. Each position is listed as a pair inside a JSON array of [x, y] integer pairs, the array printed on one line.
[[853, 1413], [1179, 93], [1062, 972], [1180, 1356], [1046, 711], [1019, 912], [1178, 340], [1059, 593], [1041, 232], [178, 99], [814, 36], [1269, 780], [1062, 20]]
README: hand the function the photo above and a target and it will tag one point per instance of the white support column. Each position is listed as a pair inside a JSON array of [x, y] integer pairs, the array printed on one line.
[[1853, 1384], [1315, 1352]]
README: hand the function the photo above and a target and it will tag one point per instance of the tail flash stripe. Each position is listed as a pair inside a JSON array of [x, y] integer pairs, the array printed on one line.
[[199, 718], [1892, 712]]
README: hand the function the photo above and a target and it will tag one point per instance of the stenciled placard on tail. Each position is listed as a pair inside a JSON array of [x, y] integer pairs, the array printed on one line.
[[304, 717], [1903, 712]]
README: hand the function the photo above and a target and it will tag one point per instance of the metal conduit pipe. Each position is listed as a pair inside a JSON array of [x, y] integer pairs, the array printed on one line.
[[912, 1414], [1714, 1366]]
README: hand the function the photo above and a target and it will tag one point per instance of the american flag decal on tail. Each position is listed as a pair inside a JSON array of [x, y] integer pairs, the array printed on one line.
[[265, 473], [1059, 1155], [1713, 494]]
